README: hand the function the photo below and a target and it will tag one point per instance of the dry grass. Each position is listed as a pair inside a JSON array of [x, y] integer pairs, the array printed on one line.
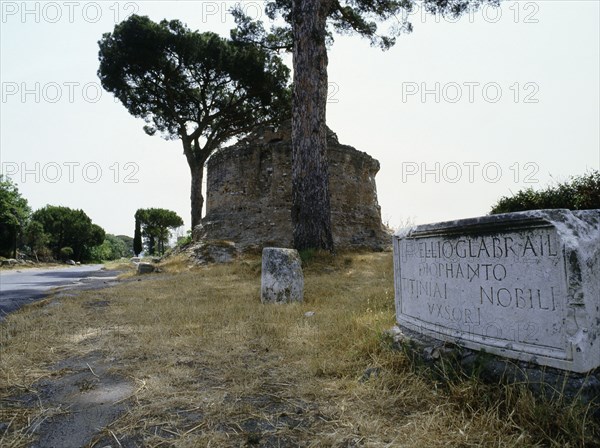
[[214, 367], [44, 265], [122, 264]]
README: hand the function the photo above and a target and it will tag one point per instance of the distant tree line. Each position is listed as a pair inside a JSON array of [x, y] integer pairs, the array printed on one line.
[[53, 232], [578, 193], [68, 233], [14, 215]]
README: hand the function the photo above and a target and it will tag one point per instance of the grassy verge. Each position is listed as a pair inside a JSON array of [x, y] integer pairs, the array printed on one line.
[[44, 265], [214, 367]]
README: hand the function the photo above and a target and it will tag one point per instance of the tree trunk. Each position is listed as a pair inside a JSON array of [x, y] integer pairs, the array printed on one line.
[[311, 214], [197, 170], [196, 157], [14, 245], [151, 245]]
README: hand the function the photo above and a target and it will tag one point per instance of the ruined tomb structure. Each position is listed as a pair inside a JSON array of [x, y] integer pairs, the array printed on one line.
[[248, 198]]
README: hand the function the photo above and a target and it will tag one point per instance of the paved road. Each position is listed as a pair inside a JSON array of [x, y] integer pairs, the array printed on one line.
[[20, 287]]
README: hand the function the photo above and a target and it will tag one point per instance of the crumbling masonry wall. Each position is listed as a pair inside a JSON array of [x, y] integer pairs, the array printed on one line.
[[249, 194]]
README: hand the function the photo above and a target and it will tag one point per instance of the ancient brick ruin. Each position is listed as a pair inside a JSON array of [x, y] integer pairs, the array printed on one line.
[[248, 198]]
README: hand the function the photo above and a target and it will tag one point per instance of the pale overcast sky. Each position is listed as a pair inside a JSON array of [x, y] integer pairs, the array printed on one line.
[[458, 114]]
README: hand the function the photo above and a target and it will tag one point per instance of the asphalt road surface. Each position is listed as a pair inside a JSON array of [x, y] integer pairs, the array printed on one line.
[[20, 287]]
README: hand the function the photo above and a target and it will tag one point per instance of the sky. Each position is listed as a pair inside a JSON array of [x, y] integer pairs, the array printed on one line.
[[458, 113]]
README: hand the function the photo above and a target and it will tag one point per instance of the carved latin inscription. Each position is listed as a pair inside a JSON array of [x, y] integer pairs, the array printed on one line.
[[505, 290], [523, 285]]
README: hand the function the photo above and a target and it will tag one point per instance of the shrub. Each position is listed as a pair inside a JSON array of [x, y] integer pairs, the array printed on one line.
[[579, 193], [186, 240], [66, 253]]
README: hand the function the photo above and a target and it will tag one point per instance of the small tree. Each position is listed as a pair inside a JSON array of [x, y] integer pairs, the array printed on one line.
[[195, 87], [35, 238], [137, 234], [155, 225]]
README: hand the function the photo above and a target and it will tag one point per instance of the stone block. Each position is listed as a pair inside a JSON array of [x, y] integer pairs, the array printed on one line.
[[145, 268], [282, 280], [522, 285]]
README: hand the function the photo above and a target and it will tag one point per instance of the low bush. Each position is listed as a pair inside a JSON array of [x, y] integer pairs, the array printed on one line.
[[579, 193], [66, 253]]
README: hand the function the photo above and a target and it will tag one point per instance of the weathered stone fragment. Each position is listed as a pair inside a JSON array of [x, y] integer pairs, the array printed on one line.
[[145, 268], [282, 278]]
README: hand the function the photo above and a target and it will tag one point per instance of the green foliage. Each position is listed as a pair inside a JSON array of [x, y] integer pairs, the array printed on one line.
[[307, 255], [350, 16], [318, 259], [101, 253], [197, 87], [185, 240], [58, 232], [66, 253], [113, 248], [154, 225], [128, 241], [579, 193], [169, 75], [14, 213], [586, 190], [36, 239], [66, 227]]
